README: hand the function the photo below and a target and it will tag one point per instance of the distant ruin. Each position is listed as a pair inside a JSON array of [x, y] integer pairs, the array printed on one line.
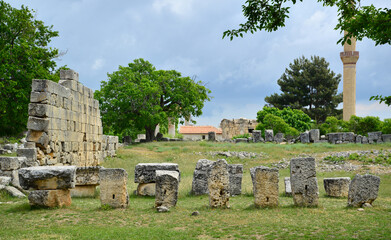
[[236, 127]]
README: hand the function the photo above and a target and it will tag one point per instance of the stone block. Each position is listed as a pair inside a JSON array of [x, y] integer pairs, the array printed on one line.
[[5, 181], [269, 135], [358, 139], [386, 137], [14, 192], [10, 163], [374, 137], [239, 140], [314, 135], [279, 137], [167, 184], [288, 189], [364, 140], [303, 182], [363, 189], [218, 184], [257, 136], [235, 172], [39, 85], [211, 136], [69, 75], [40, 97], [146, 172], [87, 175], [113, 190], [38, 124], [31, 156], [200, 177], [83, 191], [266, 187], [48, 177], [336, 187], [304, 137], [146, 189], [40, 110], [50, 198]]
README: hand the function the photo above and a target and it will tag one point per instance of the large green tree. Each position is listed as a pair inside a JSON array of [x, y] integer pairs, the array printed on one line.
[[24, 55], [358, 20], [309, 85], [141, 97]]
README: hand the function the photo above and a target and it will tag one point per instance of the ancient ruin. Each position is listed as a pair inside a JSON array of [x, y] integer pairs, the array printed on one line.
[[236, 127], [113, 190], [218, 184], [303, 182], [336, 187], [266, 187], [363, 190], [167, 184]]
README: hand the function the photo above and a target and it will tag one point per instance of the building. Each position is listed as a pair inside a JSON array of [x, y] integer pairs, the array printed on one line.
[[195, 133]]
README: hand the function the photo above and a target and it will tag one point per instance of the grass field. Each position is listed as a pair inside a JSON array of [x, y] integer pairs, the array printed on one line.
[[85, 219]]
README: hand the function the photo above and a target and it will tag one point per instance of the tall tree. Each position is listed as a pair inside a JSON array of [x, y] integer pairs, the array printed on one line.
[[139, 96], [309, 85], [24, 55], [358, 20]]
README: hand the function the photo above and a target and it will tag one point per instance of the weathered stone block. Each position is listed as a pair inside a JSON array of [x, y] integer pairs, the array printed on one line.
[[336, 187], [269, 135], [5, 180], [211, 136], [31, 156], [288, 189], [363, 189], [303, 181], [40, 110], [146, 189], [14, 192], [218, 184], [87, 176], [239, 140], [40, 97], [375, 137], [167, 184], [304, 137], [38, 124], [69, 75], [358, 139], [235, 172], [48, 177], [386, 137], [200, 177], [39, 85], [279, 137], [266, 187], [50, 198], [10, 163], [314, 135], [83, 191], [146, 172], [257, 136], [113, 190]]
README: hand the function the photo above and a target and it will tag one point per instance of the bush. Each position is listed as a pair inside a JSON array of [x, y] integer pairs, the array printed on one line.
[[332, 124], [278, 125], [386, 129], [362, 126], [246, 135]]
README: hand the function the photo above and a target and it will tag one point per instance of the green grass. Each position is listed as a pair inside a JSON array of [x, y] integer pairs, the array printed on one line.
[[87, 219]]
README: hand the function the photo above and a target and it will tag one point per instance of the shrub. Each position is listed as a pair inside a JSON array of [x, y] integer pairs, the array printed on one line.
[[246, 135], [364, 125], [278, 125], [332, 124], [386, 129]]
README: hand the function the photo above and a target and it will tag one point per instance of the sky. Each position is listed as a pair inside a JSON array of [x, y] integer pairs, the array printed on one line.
[[98, 36]]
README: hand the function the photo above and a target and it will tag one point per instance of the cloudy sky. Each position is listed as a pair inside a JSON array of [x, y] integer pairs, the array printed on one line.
[[186, 35]]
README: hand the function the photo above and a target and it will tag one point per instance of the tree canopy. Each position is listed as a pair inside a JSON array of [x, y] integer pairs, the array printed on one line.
[[24, 55], [359, 21], [140, 97], [308, 85]]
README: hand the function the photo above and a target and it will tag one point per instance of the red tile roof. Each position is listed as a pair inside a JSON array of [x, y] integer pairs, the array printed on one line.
[[199, 130]]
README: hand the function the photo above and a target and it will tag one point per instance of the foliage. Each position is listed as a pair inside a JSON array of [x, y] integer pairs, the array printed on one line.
[[309, 85], [332, 124], [293, 117], [363, 125], [380, 98], [386, 129], [359, 21], [246, 135], [140, 97], [278, 125], [24, 55]]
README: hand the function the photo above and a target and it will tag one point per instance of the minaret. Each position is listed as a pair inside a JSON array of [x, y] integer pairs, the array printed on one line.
[[349, 58]]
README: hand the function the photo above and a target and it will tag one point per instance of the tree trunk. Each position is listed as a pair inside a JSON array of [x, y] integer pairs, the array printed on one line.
[[149, 134]]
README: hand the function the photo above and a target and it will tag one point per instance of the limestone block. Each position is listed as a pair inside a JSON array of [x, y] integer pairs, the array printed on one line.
[[38, 124], [218, 184], [83, 191], [87, 176], [11, 163], [386, 137], [39, 85], [69, 75], [358, 139], [266, 187], [146, 172], [113, 190], [30, 154], [257, 136], [348, 137], [279, 137], [146, 189], [48, 177], [375, 137], [5, 181], [269, 135], [211, 136], [200, 177], [303, 181], [15, 178], [363, 189], [364, 140], [50, 198], [235, 172], [14, 192], [288, 189], [40, 110], [314, 135], [167, 184], [336, 187], [304, 137], [40, 97]]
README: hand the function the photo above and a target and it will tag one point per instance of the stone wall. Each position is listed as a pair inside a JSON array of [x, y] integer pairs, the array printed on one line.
[[64, 123], [236, 127]]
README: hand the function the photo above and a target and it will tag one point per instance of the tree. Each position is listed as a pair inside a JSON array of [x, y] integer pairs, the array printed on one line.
[[309, 85], [278, 125], [359, 21], [24, 55], [380, 98], [140, 97]]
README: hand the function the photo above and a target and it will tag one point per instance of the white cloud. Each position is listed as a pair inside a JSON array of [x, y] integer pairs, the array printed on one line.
[[98, 64], [373, 109], [179, 7]]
